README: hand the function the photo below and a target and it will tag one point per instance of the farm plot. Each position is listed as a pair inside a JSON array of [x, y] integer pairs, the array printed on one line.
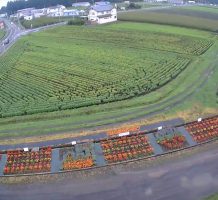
[[184, 17], [204, 130], [68, 67], [2, 33], [77, 157]]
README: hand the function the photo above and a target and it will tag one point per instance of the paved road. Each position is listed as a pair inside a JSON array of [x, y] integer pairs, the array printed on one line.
[[14, 33], [190, 178]]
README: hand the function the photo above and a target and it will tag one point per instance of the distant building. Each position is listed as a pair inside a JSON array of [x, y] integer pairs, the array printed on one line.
[[81, 4], [177, 2], [28, 17], [24, 12], [102, 12], [55, 11], [191, 2], [71, 12], [37, 13], [2, 25], [3, 15]]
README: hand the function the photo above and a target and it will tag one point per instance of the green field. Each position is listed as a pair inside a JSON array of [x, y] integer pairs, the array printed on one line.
[[42, 21], [2, 33], [73, 67], [205, 18], [80, 66], [213, 197]]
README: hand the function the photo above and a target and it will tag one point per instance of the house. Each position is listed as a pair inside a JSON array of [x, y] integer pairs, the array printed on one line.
[[102, 12], [2, 25], [191, 2], [55, 11], [81, 4], [25, 12], [3, 15], [37, 13], [176, 2], [28, 17], [71, 13]]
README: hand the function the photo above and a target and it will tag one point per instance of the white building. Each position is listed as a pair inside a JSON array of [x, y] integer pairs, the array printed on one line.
[[3, 15], [81, 4], [177, 2], [25, 12], [102, 12], [71, 12], [37, 13], [28, 17], [55, 11], [2, 25]]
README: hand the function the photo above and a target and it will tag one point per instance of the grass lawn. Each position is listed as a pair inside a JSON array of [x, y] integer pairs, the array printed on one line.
[[43, 21], [213, 197], [2, 33]]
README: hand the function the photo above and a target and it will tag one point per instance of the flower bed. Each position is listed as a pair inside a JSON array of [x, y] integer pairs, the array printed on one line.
[[78, 156], [20, 162], [204, 130], [126, 148], [123, 130], [70, 163], [172, 142]]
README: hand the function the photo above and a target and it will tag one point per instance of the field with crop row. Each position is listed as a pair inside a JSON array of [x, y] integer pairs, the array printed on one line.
[[72, 67], [2, 33], [197, 17]]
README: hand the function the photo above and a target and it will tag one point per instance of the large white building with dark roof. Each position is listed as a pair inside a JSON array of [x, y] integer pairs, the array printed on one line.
[[102, 12]]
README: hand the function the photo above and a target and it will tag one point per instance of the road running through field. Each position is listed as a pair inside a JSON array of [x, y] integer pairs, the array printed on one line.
[[189, 178]]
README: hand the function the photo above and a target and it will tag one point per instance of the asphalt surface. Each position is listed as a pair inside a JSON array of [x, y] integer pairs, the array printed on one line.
[[190, 178]]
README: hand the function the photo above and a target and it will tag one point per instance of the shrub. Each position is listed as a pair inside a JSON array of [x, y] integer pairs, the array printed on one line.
[[76, 21], [134, 6]]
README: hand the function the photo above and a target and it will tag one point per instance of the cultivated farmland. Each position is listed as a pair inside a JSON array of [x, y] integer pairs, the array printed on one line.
[[72, 67], [2, 33], [197, 17]]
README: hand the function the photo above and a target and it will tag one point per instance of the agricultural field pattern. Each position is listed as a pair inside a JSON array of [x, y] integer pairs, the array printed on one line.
[[68, 67]]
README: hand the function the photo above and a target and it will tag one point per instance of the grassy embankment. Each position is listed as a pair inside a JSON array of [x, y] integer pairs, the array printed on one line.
[[2, 34]]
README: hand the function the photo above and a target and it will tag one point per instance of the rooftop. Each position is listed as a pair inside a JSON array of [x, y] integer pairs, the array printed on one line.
[[102, 7]]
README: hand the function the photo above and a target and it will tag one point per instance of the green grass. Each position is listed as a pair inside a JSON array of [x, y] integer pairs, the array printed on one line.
[[2, 33], [49, 72], [38, 22], [208, 9], [199, 18], [43, 21], [68, 120], [142, 4], [213, 197]]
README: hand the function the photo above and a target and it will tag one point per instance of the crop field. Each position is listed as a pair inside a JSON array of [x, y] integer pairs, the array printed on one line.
[[205, 18], [38, 22], [208, 9], [2, 33], [72, 67]]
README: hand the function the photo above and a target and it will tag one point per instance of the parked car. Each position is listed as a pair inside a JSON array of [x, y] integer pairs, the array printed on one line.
[[6, 42]]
